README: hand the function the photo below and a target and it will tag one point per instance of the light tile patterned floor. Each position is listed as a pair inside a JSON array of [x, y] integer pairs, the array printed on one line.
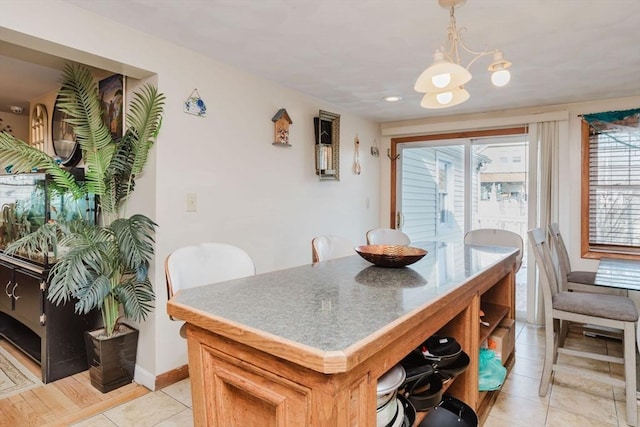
[[570, 402]]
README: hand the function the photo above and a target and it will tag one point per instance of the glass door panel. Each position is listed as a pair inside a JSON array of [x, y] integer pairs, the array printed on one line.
[[431, 192], [499, 194]]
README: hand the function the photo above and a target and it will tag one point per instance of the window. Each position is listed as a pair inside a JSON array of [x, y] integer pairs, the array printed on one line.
[[611, 187], [445, 199]]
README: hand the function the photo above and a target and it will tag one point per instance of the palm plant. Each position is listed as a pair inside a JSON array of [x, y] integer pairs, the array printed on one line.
[[103, 265]]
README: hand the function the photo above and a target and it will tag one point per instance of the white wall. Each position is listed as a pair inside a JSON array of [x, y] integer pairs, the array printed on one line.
[[18, 123], [262, 198]]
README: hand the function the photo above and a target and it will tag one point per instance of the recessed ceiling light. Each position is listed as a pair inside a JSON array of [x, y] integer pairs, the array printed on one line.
[[393, 98]]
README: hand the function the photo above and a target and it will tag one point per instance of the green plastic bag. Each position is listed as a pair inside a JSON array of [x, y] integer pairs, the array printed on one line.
[[492, 373]]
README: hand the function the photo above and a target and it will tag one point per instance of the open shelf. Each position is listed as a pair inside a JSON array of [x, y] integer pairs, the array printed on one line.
[[493, 314], [21, 337]]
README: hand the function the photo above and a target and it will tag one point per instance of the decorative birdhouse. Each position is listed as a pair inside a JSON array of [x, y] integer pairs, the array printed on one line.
[[281, 128]]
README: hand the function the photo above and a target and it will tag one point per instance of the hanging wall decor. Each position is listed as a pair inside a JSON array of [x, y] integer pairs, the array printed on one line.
[[111, 92], [327, 130], [281, 128], [356, 156], [195, 105], [39, 127]]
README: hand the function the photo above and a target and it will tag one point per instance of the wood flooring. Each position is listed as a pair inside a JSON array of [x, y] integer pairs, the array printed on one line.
[[61, 402]]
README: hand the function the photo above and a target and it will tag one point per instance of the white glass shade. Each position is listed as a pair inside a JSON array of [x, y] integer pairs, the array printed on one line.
[[500, 78], [500, 75], [444, 98], [438, 99], [441, 75]]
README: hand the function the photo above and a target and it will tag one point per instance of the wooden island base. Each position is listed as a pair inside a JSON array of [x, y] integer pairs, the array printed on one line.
[[242, 377]]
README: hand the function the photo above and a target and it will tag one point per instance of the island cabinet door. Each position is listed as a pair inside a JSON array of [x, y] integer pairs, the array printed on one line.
[[238, 392], [235, 386]]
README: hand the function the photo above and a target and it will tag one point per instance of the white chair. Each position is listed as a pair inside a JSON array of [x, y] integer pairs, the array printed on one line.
[[561, 307], [576, 280], [496, 237], [205, 263], [387, 236], [328, 247]]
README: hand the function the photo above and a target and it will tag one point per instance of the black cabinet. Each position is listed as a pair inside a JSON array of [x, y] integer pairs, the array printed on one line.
[[50, 335]]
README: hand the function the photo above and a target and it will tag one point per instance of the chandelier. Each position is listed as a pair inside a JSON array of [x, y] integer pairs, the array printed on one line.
[[443, 82]]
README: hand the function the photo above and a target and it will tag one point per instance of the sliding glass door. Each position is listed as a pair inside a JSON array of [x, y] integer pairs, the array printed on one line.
[[447, 187]]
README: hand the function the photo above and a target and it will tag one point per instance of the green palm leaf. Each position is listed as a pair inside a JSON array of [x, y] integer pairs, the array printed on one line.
[[92, 294], [46, 237], [24, 158], [137, 298], [135, 241], [79, 99], [145, 118]]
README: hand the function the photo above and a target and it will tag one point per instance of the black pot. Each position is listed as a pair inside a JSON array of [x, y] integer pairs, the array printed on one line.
[[450, 413], [456, 367], [112, 360], [436, 351], [424, 393], [441, 351]]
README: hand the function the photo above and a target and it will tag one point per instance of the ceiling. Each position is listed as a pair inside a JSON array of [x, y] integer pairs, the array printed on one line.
[[353, 53]]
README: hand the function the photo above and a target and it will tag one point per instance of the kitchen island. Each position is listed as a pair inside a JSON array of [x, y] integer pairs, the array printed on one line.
[[305, 346]]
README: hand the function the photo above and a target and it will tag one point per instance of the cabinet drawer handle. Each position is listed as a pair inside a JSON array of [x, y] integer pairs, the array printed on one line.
[[6, 289], [13, 292]]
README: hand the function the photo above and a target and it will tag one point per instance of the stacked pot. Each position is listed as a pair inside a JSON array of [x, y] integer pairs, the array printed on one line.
[[393, 410], [436, 361]]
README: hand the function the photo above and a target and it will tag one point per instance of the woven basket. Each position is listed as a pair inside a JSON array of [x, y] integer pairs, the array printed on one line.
[[392, 256]]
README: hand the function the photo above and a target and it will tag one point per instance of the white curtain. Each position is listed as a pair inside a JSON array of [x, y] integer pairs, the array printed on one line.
[[546, 136], [548, 147]]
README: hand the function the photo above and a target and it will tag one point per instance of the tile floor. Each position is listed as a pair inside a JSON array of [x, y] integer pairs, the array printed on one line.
[[572, 401]]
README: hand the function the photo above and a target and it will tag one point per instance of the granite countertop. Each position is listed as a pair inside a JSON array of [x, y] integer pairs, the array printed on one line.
[[333, 305]]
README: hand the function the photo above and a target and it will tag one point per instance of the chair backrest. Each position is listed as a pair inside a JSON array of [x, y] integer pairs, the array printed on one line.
[[547, 277], [387, 236], [205, 263], [496, 237], [560, 250], [328, 247]]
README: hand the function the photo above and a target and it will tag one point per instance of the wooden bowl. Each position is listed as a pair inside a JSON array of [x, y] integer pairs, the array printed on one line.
[[390, 256]]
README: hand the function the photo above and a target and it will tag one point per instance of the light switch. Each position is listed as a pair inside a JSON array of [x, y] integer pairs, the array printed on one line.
[[192, 202]]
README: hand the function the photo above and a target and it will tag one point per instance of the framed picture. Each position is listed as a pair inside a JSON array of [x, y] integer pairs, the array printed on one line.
[[112, 98], [65, 145]]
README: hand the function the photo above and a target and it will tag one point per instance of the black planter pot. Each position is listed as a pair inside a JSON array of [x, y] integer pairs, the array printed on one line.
[[111, 360]]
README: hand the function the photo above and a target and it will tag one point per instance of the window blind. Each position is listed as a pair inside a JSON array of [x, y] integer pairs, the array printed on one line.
[[614, 189]]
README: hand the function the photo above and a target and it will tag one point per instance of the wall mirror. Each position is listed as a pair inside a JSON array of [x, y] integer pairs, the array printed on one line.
[[65, 145], [327, 132]]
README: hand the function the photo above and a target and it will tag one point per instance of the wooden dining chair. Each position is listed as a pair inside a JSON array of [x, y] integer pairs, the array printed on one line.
[[387, 236], [496, 237], [204, 263], [328, 247], [582, 281], [561, 307]]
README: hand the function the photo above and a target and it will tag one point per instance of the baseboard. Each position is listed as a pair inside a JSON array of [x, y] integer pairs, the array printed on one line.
[[172, 377], [153, 383], [144, 378]]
